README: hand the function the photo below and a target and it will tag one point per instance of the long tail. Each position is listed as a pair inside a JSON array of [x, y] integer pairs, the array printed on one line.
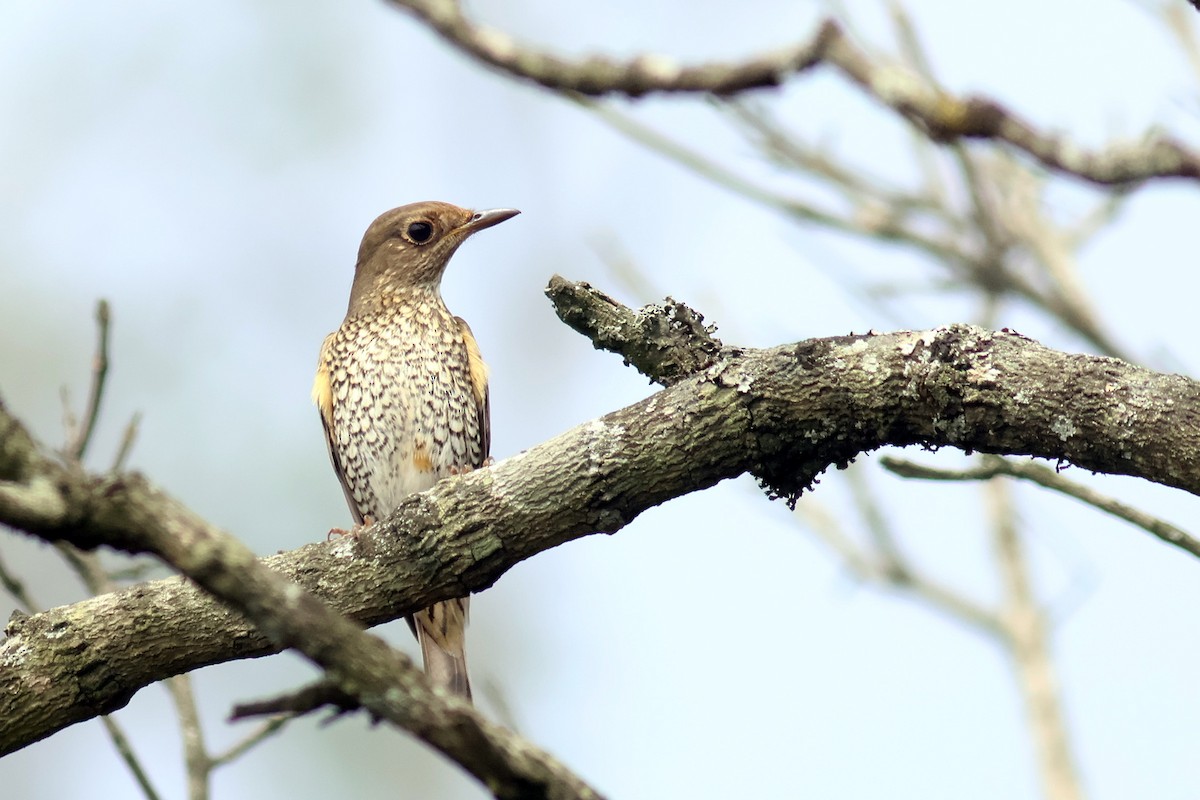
[[441, 630]]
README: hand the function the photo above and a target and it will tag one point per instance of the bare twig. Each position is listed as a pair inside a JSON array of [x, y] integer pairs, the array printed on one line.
[[924, 224], [136, 570], [1026, 632], [1044, 476], [882, 225], [98, 581], [16, 588], [125, 749], [77, 447], [1181, 26], [305, 700], [876, 522], [891, 571], [127, 440], [70, 422], [267, 729], [87, 567], [195, 757]]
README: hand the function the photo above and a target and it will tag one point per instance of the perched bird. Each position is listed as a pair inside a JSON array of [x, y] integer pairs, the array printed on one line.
[[403, 390]]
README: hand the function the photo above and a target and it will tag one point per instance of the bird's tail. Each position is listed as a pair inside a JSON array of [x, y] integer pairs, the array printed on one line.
[[441, 630]]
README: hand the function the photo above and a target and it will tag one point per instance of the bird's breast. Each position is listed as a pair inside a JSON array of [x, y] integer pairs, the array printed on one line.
[[403, 409]]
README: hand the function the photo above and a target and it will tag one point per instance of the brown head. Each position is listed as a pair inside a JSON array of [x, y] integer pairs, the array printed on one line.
[[409, 247]]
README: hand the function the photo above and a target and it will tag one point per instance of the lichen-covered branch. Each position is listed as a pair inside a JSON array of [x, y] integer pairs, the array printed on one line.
[[783, 414], [667, 342]]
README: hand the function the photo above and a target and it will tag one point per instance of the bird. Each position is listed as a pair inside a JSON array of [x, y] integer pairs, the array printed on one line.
[[402, 391]]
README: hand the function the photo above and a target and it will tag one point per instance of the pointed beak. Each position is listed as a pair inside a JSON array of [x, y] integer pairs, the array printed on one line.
[[486, 219]]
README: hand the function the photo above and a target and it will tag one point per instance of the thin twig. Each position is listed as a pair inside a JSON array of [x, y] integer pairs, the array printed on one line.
[[195, 756], [127, 440], [1180, 24], [1097, 219], [16, 588], [884, 214], [83, 436], [635, 280], [267, 729], [784, 149], [125, 749], [137, 570], [87, 567], [70, 422], [1027, 640], [877, 524], [895, 574], [1044, 476], [882, 226], [308, 699]]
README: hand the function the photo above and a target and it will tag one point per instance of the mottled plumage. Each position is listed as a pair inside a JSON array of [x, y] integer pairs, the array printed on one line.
[[402, 390]]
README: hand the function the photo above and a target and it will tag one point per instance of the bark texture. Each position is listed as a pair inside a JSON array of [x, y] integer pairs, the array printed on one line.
[[783, 414]]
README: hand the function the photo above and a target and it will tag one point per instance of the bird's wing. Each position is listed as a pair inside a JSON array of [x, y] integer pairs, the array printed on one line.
[[322, 395], [478, 373]]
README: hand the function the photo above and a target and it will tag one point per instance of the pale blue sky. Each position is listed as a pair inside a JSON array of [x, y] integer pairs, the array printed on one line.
[[210, 170]]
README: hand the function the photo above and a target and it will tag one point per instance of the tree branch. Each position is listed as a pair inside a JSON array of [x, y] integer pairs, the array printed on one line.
[[127, 512], [784, 414], [598, 75], [939, 114]]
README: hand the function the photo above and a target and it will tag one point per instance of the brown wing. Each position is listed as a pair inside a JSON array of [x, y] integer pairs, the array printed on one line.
[[322, 395], [478, 372]]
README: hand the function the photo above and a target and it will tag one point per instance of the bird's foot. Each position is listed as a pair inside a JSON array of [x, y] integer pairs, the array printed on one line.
[[463, 470], [354, 532]]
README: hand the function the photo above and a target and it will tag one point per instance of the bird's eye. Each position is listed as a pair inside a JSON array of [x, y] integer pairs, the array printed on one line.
[[420, 232]]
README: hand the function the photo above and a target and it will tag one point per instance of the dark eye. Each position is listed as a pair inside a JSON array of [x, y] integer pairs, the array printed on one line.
[[420, 232]]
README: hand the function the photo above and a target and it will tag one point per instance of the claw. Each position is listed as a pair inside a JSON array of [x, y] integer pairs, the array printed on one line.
[[354, 532]]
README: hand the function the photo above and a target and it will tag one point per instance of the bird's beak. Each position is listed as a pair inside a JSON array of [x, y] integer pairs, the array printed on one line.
[[486, 219]]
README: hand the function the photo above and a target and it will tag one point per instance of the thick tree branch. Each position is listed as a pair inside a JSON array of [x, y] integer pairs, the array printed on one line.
[[939, 114], [784, 414], [126, 512]]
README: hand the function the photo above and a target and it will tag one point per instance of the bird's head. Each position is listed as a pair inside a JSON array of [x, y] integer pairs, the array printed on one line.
[[408, 247]]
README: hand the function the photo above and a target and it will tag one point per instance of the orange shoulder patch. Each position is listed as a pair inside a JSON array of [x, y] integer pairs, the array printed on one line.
[[477, 369], [322, 390]]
